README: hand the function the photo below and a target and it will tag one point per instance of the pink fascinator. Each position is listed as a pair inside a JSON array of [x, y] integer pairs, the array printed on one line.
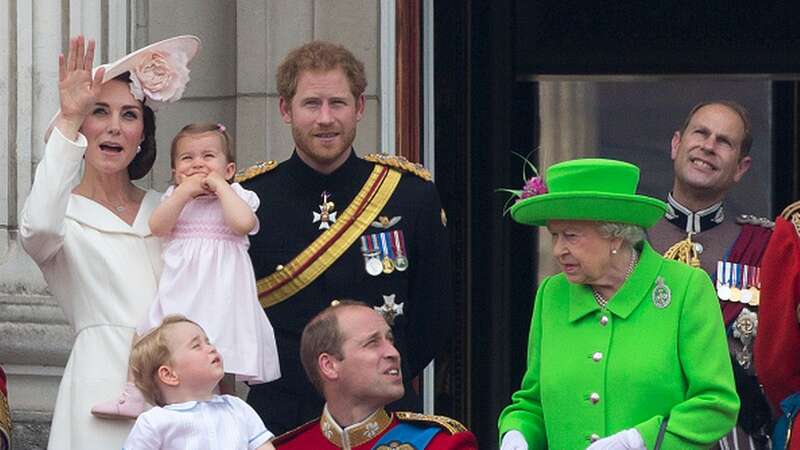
[[159, 72], [533, 185]]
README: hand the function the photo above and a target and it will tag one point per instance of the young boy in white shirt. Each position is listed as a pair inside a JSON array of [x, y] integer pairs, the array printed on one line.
[[177, 369]]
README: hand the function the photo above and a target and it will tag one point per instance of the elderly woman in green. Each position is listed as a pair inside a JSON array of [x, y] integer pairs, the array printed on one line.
[[626, 348]]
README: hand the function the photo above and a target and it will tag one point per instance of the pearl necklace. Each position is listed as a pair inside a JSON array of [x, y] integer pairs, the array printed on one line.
[[598, 297]]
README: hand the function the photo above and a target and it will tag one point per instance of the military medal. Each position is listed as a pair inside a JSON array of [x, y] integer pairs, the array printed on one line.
[[662, 296], [326, 215], [747, 294], [400, 262], [386, 249], [372, 261], [724, 291], [736, 293], [756, 286], [389, 310], [745, 328]]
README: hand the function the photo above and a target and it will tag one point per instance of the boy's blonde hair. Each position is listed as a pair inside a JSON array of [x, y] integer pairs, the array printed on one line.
[[151, 352]]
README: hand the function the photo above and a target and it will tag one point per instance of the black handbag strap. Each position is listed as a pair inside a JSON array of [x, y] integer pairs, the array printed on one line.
[[661, 431]]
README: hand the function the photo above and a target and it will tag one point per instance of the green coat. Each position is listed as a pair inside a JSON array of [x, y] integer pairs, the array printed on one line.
[[641, 362]]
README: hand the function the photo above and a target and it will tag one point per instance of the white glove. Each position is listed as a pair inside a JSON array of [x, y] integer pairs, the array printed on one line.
[[629, 439], [513, 440]]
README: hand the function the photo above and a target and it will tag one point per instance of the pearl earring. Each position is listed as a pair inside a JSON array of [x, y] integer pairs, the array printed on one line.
[[613, 251], [138, 149]]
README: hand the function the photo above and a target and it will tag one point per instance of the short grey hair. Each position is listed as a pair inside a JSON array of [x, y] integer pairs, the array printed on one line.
[[630, 234]]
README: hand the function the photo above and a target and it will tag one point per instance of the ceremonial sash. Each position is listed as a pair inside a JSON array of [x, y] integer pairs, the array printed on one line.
[[331, 244], [413, 436]]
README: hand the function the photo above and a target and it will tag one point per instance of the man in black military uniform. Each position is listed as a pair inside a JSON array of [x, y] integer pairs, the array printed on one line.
[[711, 154], [334, 225]]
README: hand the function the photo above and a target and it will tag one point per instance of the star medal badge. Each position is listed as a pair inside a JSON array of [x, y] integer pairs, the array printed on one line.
[[399, 246], [372, 260], [386, 250], [390, 309], [326, 215], [662, 296], [723, 277]]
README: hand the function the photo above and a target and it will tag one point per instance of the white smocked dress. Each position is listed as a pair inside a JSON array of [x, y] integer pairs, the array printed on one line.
[[104, 274], [208, 277]]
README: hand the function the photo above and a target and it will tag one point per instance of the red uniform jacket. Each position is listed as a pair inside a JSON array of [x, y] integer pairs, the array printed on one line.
[[778, 341], [323, 434]]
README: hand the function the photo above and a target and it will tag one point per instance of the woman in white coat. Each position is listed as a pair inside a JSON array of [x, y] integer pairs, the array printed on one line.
[[88, 233]]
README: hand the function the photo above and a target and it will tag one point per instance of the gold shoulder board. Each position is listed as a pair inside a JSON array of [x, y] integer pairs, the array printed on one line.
[[451, 425], [400, 163], [790, 210], [255, 170]]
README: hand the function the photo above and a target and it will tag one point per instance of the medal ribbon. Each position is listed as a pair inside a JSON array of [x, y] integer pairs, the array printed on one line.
[[387, 249], [331, 244]]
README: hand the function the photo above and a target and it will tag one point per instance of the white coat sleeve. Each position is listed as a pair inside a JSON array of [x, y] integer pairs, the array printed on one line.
[[41, 225]]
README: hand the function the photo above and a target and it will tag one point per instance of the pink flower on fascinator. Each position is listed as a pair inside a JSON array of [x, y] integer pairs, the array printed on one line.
[[160, 77], [221, 127], [532, 186]]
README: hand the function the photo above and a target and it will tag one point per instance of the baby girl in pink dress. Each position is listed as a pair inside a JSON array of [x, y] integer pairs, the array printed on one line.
[[207, 275]]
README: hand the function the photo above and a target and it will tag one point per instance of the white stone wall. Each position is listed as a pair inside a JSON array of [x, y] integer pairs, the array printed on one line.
[[233, 82]]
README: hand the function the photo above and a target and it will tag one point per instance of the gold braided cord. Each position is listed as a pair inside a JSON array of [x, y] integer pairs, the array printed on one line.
[[684, 252], [796, 222], [790, 210]]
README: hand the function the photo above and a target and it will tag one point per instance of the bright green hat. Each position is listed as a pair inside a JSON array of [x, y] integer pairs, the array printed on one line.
[[590, 189]]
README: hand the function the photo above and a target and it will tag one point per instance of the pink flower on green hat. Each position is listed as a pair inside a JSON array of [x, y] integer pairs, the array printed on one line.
[[534, 186], [159, 77]]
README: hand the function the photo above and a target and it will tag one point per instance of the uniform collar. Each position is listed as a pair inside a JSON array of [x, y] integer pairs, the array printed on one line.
[[638, 285], [694, 221], [307, 175], [355, 434]]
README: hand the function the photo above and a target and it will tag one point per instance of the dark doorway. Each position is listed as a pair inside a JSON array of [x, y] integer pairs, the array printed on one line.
[[490, 56]]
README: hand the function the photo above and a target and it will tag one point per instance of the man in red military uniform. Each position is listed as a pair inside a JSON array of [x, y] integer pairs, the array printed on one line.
[[777, 361], [348, 353]]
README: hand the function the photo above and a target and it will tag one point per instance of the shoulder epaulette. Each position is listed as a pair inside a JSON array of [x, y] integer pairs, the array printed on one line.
[[745, 219], [255, 170], [451, 425], [294, 432], [791, 210], [399, 163]]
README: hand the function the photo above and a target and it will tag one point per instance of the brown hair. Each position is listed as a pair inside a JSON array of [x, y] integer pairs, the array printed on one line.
[[151, 352], [319, 56], [739, 109], [144, 159], [322, 335], [205, 127]]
